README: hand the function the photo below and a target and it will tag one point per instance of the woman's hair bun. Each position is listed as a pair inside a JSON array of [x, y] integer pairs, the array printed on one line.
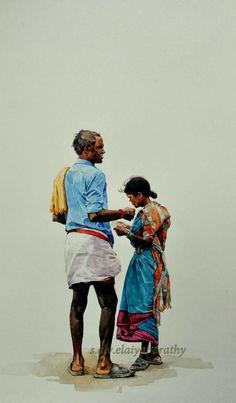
[[153, 195]]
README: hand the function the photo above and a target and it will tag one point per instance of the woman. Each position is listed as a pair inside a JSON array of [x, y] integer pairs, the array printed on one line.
[[146, 290]]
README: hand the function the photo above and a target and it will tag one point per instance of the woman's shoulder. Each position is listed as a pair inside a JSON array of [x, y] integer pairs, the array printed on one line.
[[154, 207]]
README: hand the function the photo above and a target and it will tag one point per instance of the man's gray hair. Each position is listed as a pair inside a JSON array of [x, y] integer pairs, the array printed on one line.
[[83, 139]]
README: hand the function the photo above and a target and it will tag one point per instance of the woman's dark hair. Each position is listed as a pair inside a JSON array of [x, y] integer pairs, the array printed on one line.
[[84, 138], [138, 184]]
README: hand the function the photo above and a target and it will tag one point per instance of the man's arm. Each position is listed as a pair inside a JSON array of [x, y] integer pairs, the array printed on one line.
[[95, 202], [111, 215]]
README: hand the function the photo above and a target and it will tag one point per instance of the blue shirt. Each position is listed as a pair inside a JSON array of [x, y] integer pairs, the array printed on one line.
[[86, 193]]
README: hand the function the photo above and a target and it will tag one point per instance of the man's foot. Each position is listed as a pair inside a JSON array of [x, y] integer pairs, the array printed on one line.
[[116, 372], [75, 372], [139, 364]]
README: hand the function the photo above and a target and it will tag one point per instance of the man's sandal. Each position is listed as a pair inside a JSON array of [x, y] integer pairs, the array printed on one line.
[[139, 364], [116, 372]]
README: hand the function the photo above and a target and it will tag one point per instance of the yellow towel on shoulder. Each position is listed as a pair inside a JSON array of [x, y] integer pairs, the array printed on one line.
[[58, 203]]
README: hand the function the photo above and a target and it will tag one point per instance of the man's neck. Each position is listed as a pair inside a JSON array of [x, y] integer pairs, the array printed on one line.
[[85, 159]]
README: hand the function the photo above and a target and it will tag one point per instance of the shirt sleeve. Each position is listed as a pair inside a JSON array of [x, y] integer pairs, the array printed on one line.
[[95, 193]]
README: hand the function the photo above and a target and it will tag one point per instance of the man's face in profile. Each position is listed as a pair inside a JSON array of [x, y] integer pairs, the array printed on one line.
[[97, 151]]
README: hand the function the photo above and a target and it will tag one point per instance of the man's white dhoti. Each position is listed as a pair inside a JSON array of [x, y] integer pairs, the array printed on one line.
[[89, 258]]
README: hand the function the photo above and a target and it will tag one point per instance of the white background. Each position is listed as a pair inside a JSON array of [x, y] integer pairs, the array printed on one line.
[[157, 80]]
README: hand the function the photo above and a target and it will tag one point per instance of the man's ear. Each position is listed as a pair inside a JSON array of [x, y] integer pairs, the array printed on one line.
[[88, 149]]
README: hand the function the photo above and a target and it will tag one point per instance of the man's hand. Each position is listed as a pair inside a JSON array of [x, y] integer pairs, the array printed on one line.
[[128, 213], [59, 218]]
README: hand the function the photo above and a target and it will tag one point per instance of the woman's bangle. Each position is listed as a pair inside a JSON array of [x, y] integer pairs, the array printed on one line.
[[122, 213], [130, 235]]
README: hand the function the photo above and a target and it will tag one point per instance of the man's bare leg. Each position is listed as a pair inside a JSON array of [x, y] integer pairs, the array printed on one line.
[[108, 301], [78, 306]]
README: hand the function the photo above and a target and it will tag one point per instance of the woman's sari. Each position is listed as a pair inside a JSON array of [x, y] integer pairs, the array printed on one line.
[[146, 290]]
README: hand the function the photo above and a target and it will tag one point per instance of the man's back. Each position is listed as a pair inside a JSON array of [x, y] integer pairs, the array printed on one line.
[[86, 193]]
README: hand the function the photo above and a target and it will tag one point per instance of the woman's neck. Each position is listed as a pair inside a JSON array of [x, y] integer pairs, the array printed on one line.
[[145, 201]]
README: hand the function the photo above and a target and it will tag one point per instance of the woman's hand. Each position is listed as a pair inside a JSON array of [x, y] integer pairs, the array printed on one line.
[[121, 228]]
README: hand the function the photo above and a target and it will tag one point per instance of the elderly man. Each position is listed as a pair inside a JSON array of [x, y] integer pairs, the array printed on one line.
[[89, 257]]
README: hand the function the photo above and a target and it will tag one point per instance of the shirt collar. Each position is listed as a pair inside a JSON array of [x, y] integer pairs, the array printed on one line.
[[83, 162]]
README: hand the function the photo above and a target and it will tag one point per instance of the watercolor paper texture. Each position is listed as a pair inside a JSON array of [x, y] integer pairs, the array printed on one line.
[[157, 79]]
